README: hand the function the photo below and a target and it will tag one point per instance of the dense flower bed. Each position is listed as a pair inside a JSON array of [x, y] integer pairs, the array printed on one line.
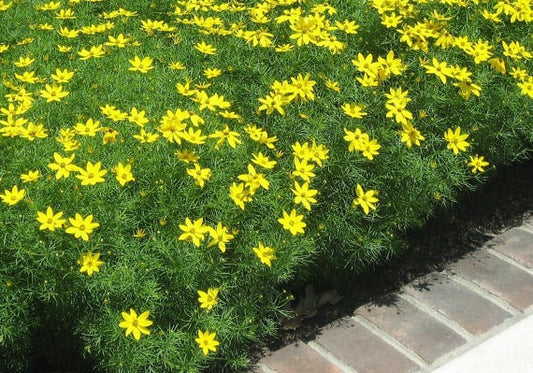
[[169, 167]]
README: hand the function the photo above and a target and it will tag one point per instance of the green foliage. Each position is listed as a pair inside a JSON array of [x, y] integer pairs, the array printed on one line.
[[392, 122]]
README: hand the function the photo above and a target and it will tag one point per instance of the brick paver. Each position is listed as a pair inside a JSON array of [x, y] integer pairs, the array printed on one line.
[[423, 334], [429, 321], [456, 302], [361, 349], [499, 277], [298, 358], [516, 243]]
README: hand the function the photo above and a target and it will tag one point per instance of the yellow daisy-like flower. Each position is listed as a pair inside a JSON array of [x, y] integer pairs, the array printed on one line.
[[13, 196], [354, 110], [31, 176], [194, 232], [477, 163], [265, 254], [206, 341], [50, 220], [366, 200], [92, 174], [141, 65], [81, 227], [123, 173], [292, 222], [456, 140], [90, 263], [204, 48], [136, 324], [208, 299]]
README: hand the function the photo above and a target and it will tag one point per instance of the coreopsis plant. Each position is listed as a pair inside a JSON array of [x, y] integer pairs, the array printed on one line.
[[193, 159]]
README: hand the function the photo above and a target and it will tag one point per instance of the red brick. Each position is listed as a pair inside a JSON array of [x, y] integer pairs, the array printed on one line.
[[458, 303], [515, 243], [361, 349], [420, 332], [299, 357], [504, 280]]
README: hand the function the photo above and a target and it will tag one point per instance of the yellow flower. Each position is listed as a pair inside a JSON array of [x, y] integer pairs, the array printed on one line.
[[110, 135], [49, 6], [254, 180], [231, 137], [467, 88], [95, 52], [120, 41], [274, 101], [31, 176], [301, 87], [142, 66], [194, 232], [92, 174], [81, 227], [526, 87], [365, 199], [303, 169], [304, 195], [194, 136], [65, 14], [27, 77], [370, 149], [333, 85], [64, 48], [204, 48], [366, 64], [50, 220], [239, 194], [410, 135], [200, 175], [187, 156], [354, 110], [146, 137], [212, 73], [53, 92], [138, 117], [440, 69], [219, 236], [456, 140], [13, 196], [24, 61], [176, 65], [208, 299], [265, 254], [123, 173], [498, 64], [67, 33], [62, 165], [284, 48], [356, 139], [89, 263], [263, 161], [89, 128], [135, 324], [292, 222], [206, 341], [62, 76], [477, 163]]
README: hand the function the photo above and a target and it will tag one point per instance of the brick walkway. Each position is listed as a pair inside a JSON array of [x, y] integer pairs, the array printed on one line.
[[427, 322]]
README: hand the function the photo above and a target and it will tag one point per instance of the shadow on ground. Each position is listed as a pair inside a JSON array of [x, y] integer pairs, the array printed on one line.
[[500, 204]]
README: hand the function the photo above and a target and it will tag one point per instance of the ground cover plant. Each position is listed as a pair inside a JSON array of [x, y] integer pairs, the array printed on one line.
[[169, 168]]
